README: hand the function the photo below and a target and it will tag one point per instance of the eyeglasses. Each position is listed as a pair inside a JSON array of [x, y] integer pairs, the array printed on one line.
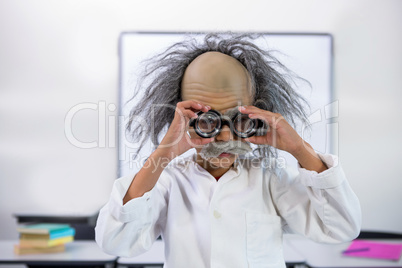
[[210, 124]]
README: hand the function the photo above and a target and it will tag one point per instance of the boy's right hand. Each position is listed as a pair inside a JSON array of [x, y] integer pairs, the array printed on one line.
[[176, 140], [175, 143]]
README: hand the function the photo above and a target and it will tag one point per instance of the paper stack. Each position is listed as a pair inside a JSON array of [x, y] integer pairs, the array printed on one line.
[[43, 238]]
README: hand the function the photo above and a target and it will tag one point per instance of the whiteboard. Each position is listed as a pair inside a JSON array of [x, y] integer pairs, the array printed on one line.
[[308, 55]]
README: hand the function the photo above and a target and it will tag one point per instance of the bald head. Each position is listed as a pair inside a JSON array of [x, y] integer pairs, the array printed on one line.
[[217, 80]]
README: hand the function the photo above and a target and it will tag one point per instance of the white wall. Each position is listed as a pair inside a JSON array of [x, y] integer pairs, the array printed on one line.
[[57, 54]]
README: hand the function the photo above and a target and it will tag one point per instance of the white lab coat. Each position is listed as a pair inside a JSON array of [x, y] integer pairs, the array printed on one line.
[[237, 221]]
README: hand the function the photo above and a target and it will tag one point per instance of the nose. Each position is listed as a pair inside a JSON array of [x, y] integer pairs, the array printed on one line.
[[224, 135]]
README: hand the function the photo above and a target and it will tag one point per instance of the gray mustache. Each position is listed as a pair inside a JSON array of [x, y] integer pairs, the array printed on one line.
[[214, 149]]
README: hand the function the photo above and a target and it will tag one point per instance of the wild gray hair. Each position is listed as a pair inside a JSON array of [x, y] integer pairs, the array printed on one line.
[[272, 82]]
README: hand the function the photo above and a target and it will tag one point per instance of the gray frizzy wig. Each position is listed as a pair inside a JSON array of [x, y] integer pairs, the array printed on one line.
[[271, 84]]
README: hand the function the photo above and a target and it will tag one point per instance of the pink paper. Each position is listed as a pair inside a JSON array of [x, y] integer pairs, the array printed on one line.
[[377, 250]]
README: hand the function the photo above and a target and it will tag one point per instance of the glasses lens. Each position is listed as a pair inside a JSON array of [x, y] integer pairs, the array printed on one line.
[[208, 122], [243, 124]]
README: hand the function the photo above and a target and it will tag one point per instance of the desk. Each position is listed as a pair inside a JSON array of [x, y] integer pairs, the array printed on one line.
[[155, 256], [77, 253], [330, 255], [292, 256]]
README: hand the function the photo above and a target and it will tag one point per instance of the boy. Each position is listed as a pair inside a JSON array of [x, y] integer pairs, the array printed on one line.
[[214, 209]]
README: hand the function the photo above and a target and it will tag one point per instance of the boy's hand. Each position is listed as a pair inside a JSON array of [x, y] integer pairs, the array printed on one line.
[[176, 140], [280, 135]]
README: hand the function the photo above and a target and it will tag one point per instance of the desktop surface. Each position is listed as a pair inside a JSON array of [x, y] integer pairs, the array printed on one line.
[[77, 253], [155, 256], [320, 255], [297, 250]]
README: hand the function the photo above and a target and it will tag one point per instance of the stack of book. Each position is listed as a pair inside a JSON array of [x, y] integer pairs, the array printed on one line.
[[43, 238]]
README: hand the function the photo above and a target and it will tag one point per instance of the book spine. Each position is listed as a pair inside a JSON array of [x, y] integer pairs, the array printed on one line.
[[44, 243], [21, 251], [62, 233]]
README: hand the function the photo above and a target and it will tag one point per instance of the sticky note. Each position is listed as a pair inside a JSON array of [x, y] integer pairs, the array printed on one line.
[[372, 249]]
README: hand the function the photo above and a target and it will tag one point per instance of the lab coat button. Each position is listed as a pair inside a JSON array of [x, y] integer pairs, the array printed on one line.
[[217, 215]]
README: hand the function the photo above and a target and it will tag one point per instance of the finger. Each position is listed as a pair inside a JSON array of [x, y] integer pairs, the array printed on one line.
[[188, 113], [193, 105], [254, 112], [249, 109], [268, 118], [272, 119], [258, 140]]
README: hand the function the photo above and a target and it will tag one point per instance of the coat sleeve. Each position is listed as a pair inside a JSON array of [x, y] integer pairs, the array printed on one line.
[[321, 206], [130, 229]]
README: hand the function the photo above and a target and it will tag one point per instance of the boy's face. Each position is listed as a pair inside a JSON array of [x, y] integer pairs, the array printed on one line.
[[220, 81]]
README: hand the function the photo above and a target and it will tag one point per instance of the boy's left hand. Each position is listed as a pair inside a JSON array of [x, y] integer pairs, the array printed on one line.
[[280, 135]]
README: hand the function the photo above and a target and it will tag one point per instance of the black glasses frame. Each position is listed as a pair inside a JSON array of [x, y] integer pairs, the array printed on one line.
[[259, 126]]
